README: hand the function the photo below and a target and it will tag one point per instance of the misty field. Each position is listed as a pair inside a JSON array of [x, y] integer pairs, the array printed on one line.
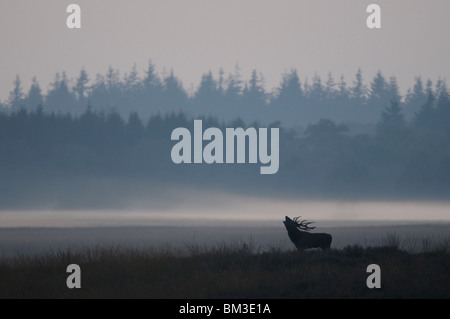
[[234, 270]]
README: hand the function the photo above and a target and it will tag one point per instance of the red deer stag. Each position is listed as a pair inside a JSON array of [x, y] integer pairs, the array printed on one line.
[[298, 232]]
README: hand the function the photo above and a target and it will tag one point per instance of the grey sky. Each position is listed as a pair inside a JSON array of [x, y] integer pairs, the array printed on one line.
[[194, 36]]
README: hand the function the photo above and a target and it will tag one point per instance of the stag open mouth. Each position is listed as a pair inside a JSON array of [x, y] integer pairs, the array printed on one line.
[[298, 232]]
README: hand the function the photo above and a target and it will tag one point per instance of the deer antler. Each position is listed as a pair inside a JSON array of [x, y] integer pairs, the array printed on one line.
[[303, 225]]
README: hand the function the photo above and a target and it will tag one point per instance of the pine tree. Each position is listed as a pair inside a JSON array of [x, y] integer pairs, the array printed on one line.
[[425, 117], [342, 88], [80, 87], [151, 80], [429, 88], [392, 119], [132, 81], [134, 128], [443, 108], [255, 93], [393, 90], [359, 89], [290, 91], [221, 82], [441, 88], [112, 80], [207, 95], [330, 87], [151, 97], [208, 85], [415, 98], [234, 85], [60, 98], [378, 91], [175, 97], [317, 91], [34, 97], [16, 96]]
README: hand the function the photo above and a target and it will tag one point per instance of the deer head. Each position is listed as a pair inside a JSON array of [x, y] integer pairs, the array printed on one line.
[[298, 232], [293, 224]]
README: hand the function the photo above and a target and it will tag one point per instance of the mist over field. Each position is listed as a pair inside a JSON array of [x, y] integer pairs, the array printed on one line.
[[375, 158], [207, 218]]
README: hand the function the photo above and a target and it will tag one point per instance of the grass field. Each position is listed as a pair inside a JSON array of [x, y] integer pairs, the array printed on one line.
[[235, 270]]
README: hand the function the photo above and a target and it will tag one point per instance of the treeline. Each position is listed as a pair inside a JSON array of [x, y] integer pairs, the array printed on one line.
[[293, 102], [403, 158]]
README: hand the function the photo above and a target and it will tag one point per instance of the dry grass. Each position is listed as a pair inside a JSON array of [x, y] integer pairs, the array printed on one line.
[[238, 270]]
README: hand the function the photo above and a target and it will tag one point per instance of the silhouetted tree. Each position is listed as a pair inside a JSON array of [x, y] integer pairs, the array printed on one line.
[[34, 97], [112, 80], [316, 92], [296, 103], [378, 95], [393, 90], [441, 88], [16, 96], [175, 97], [90, 128], [221, 82], [415, 99], [132, 83], [359, 89], [134, 128], [115, 131], [106, 93], [429, 88], [443, 111], [342, 86], [80, 88], [59, 97], [155, 126], [289, 95], [233, 94], [254, 98], [255, 90], [151, 79], [151, 97], [424, 118], [207, 97], [392, 120], [330, 87]]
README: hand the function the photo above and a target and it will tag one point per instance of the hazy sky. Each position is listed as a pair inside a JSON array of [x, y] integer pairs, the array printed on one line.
[[194, 36]]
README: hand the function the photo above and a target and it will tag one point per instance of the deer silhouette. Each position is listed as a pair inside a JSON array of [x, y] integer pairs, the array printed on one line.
[[298, 232]]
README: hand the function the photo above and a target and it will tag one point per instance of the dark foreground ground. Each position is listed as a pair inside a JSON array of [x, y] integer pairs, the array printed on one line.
[[229, 271]]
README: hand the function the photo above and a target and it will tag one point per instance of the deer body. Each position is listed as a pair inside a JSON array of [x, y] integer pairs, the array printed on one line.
[[302, 239]]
